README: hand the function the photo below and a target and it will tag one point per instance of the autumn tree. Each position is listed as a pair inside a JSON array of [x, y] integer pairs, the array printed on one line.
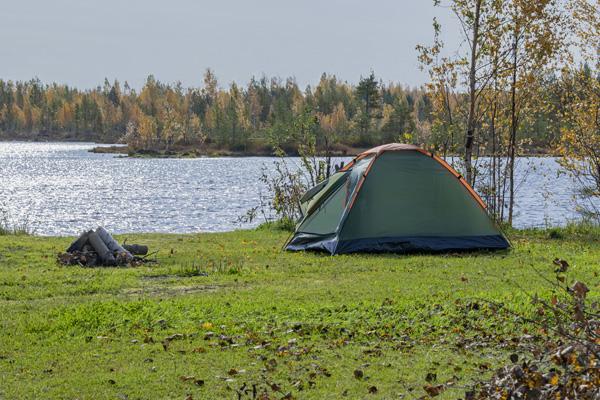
[[535, 38], [468, 68], [580, 141], [483, 92], [256, 117], [397, 123]]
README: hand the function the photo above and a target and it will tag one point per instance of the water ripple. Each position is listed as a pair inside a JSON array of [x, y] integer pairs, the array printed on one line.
[[61, 189]]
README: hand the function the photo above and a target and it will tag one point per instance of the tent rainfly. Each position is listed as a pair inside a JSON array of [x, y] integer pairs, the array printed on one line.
[[395, 198]]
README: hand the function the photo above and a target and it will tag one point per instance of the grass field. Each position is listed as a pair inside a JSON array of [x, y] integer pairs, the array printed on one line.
[[231, 316]]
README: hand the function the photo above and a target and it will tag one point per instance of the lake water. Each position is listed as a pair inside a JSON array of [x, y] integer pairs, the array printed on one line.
[[62, 189]]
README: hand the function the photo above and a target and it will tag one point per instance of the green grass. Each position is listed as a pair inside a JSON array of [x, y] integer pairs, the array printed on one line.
[[251, 314]]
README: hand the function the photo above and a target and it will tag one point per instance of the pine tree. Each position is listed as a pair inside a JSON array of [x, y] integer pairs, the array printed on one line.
[[368, 94]]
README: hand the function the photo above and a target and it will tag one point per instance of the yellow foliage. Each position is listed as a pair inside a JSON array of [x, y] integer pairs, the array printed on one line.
[[336, 121]]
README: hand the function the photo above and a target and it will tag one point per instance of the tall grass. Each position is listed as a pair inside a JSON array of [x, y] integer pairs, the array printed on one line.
[[10, 227], [585, 230]]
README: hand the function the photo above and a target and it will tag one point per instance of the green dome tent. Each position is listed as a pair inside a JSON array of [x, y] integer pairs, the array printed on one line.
[[395, 198]]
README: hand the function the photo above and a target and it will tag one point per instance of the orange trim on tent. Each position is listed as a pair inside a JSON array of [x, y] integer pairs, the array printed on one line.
[[348, 166], [356, 193], [354, 161]]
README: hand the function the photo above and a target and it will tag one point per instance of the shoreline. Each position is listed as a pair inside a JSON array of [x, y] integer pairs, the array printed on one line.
[[123, 151], [272, 226], [194, 152]]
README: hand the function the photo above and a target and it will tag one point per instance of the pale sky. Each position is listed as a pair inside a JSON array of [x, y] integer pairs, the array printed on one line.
[[80, 42]]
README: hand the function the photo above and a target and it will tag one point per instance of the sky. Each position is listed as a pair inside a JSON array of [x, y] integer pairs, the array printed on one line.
[[81, 42]]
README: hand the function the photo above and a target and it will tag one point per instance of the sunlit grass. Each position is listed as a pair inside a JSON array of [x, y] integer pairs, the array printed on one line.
[[248, 313]]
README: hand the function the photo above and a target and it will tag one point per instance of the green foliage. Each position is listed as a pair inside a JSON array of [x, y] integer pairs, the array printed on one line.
[[286, 225], [285, 184], [585, 231], [284, 187], [368, 94]]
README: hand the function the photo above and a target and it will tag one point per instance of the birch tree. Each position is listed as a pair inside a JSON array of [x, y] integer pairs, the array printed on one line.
[[580, 108]]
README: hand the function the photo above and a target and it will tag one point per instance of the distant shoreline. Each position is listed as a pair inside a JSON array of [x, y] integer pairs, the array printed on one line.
[[195, 152]]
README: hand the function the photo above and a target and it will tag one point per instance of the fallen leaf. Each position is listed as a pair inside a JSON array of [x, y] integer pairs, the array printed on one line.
[[562, 265], [434, 390], [580, 289]]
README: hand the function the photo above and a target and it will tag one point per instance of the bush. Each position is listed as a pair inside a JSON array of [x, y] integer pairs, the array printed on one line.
[[286, 185], [562, 362], [287, 225]]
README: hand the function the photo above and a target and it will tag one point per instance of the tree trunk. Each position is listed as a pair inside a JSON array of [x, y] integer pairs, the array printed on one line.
[[112, 244], [106, 256], [78, 244], [470, 138], [136, 249], [513, 130], [496, 163], [446, 95], [493, 191], [367, 118]]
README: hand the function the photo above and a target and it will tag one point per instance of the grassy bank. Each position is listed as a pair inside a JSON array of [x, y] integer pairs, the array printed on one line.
[[222, 314]]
